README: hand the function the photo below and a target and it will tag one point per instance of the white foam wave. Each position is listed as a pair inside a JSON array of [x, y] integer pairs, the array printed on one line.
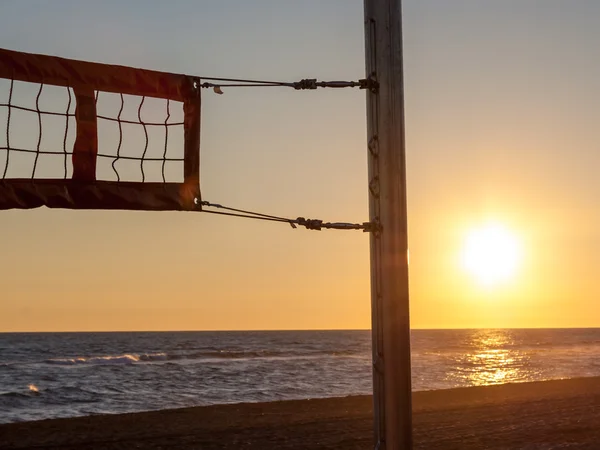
[[205, 355], [109, 359]]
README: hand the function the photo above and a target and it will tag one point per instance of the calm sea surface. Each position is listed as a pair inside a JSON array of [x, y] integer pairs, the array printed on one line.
[[47, 375]]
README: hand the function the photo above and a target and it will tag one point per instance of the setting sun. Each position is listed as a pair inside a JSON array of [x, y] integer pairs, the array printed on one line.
[[491, 254]]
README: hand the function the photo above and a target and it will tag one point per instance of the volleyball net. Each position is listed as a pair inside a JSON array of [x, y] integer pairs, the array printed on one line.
[[84, 135]]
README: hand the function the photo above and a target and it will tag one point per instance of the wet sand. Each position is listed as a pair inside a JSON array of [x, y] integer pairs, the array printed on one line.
[[543, 415]]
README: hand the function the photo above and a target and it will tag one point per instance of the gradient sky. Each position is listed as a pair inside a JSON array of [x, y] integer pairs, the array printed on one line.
[[502, 113]]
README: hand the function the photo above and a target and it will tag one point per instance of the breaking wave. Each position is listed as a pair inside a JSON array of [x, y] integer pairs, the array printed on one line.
[[107, 360], [133, 358]]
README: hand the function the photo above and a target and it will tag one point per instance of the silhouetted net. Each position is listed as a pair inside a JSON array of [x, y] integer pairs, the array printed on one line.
[[93, 136]]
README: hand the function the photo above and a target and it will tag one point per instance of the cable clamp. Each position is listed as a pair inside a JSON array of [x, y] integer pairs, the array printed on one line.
[[369, 83], [307, 83], [310, 224], [372, 227]]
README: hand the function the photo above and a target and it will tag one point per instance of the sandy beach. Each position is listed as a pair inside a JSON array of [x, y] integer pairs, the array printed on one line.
[[541, 415]]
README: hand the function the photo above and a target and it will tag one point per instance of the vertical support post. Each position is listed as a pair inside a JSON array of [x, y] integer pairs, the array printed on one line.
[[389, 244]]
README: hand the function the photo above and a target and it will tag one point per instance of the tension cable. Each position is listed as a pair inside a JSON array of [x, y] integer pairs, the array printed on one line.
[[309, 224], [304, 84]]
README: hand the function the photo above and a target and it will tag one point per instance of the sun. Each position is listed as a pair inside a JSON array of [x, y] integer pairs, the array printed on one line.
[[491, 254]]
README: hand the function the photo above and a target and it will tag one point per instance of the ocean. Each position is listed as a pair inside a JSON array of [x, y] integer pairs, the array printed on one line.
[[50, 375]]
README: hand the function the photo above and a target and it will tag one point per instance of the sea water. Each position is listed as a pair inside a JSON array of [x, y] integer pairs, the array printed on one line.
[[50, 375]]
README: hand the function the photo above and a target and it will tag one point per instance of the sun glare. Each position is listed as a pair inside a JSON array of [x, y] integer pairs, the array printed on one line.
[[491, 254]]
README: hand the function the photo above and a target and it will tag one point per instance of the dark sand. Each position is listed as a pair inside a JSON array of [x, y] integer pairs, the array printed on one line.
[[545, 415]]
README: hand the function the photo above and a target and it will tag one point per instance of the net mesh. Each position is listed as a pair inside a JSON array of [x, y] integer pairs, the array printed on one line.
[[149, 154], [87, 135]]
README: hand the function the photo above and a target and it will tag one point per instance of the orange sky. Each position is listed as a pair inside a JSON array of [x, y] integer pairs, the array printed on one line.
[[500, 126]]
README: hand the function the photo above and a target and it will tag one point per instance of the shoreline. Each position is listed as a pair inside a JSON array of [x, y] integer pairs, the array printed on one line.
[[534, 415]]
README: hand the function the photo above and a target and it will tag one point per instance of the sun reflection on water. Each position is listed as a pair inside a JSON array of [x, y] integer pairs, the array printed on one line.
[[493, 360]]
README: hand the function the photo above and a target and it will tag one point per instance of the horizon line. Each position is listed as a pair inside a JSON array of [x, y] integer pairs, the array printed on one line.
[[295, 330]]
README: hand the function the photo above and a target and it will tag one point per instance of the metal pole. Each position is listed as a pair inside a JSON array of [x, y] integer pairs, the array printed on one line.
[[389, 246]]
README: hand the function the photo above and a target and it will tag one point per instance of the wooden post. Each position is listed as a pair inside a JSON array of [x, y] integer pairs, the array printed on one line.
[[389, 246]]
